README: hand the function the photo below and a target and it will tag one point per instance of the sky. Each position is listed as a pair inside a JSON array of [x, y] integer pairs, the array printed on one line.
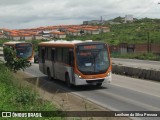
[[20, 14]]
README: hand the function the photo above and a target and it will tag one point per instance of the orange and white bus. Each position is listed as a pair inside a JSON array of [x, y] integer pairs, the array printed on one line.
[[75, 62], [23, 49]]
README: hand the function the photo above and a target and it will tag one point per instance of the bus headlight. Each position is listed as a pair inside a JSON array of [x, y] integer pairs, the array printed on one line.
[[78, 76], [109, 77], [109, 74]]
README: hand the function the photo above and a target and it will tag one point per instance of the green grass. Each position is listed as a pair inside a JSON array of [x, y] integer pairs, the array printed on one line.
[[3, 40], [14, 97], [141, 56], [129, 33]]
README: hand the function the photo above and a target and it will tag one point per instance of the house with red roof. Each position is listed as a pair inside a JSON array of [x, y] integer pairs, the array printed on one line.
[[37, 37], [1, 35], [73, 32], [52, 32], [105, 29], [91, 31], [14, 36], [57, 34], [26, 36]]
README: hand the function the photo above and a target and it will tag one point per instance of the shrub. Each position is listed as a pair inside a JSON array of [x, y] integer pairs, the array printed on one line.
[[14, 63]]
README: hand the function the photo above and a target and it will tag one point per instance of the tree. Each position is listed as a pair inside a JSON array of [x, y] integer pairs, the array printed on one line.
[[14, 63]]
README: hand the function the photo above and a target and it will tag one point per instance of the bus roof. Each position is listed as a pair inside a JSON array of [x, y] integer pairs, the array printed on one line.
[[64, 43], [14, 42]]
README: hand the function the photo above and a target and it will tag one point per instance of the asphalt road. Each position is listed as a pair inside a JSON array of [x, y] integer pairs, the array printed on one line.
[[123, 94], [145, 64]]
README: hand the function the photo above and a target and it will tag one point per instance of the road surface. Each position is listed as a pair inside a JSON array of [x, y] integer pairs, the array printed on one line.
[[123, 94]]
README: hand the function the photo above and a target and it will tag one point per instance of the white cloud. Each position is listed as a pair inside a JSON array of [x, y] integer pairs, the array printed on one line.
[[35, 13]]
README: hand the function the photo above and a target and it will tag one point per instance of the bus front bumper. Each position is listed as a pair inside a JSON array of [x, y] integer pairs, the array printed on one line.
[[80, 81]]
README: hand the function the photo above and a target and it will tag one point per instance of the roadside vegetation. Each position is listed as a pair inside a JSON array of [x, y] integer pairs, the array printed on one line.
[[140, 56], [2, 41], [131, 33], [17, 97], [14, 95], [14, 63]]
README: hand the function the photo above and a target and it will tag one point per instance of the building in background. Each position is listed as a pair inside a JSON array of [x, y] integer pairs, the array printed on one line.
[[128, 18]]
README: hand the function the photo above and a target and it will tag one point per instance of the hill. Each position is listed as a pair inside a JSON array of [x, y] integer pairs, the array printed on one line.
[[136, 32]]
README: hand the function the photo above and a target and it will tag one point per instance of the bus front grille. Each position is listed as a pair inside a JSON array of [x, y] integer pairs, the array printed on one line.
[[95, 81]]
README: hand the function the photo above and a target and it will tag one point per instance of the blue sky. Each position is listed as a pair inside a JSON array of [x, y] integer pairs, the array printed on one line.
[[17, 14]]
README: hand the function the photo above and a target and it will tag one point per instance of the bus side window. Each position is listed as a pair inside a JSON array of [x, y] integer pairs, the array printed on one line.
[[71, 57], [43, 55], [53, 54], [49, 53], [46, 53], [59, 54], [65, 56]]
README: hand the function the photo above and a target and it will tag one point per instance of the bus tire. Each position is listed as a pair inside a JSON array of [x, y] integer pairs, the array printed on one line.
[[99, 84], [68, 81], [49, 74]]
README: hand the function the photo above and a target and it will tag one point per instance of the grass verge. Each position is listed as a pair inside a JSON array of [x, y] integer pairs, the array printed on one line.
[[15, 97], [140, 56]]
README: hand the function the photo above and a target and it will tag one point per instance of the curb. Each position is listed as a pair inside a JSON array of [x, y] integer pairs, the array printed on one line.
[[148, 74]]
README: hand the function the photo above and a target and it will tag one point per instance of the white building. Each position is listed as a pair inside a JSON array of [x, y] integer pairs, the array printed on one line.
[[91, 31], [59, 35], [37, 37], [15, 37], [73, 32], [1, 35], [129, 18], [105, 29]]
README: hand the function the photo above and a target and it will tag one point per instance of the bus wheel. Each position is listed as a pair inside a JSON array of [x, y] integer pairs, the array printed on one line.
[[68, 82], [99, 84], [49, 74]]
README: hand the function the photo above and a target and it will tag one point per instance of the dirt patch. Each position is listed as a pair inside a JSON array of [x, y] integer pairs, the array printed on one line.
[[64, 100]]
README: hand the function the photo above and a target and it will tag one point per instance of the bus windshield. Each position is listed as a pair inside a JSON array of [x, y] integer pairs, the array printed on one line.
[[92, 60], [24, 50]]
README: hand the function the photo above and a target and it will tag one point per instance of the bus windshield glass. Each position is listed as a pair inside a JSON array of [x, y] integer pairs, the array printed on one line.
[[92, 59], [24, 50]]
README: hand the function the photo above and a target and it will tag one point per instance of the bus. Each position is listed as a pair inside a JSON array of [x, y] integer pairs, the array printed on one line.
[[75, 62], [23, 49]]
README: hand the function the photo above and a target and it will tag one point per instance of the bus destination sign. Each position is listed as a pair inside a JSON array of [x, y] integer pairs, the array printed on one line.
[[89, 47]]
